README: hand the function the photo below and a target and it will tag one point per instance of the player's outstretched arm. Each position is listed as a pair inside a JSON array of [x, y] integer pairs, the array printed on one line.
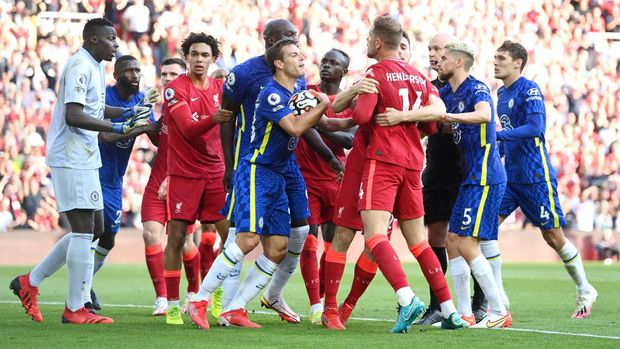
[[533, 128], [227, 135], [109, 137], [481, 115], [326, 124], [296, 126], [190, 128], [75, 117], [345, 98], [432, 112]]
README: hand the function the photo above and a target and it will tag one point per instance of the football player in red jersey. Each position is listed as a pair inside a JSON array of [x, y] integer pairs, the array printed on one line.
[[322, 182], [195, 164]]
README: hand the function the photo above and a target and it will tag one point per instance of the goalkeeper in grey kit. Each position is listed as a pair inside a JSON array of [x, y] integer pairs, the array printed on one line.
[[73, 157]]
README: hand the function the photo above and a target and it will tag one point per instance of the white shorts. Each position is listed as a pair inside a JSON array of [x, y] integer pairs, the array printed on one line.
[[76, 189]]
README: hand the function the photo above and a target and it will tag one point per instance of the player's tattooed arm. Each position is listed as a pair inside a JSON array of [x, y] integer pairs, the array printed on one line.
[[227, 135], [481, 115], [434, 111], [345, 99]]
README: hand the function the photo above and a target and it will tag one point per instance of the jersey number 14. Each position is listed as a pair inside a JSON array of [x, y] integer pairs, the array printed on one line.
[[404, 94]]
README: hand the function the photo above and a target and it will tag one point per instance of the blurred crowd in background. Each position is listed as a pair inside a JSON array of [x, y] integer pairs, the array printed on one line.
[[574, 56]]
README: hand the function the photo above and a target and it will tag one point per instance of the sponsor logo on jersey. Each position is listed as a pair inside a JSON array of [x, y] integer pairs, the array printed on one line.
[[533, 92]]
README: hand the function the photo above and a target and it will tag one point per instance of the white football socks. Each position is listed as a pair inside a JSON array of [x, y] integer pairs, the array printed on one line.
[[289, 264], [481, 269], [78, 254], [574, 266], [460, 274], [100, 256], [404, 295], [221, 268], [88, 285], [55, 259], [490, 250], [255, 280], [231, 283]]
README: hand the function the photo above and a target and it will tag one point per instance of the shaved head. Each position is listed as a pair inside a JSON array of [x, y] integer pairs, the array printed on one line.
[[277, 30], [436, 46]]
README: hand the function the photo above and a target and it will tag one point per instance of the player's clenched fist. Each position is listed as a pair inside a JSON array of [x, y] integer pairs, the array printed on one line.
[[222, 115]]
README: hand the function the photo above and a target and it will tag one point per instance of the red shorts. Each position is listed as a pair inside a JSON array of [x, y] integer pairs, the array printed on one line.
[[191, 199], [389, 187], [153, 209], [321, 198], [345, 209]]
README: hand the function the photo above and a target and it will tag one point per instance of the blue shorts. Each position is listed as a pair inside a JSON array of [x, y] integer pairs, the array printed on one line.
[[261, 205], [296, 191], [475, 212], [538, 201], [112, 209]]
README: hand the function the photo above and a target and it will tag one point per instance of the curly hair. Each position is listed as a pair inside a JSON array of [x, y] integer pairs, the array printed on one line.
[[194, 38]]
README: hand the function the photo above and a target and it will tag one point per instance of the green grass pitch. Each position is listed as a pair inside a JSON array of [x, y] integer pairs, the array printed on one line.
[[542, 298]]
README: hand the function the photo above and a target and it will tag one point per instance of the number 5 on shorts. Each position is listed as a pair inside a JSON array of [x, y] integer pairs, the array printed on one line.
[[466, 216]]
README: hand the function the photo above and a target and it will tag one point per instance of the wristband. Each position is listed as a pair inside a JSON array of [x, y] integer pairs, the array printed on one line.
[[117, 127]]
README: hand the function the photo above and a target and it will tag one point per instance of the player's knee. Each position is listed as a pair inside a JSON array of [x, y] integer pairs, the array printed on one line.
[[247, 241], [276, 253], [554, 238], [342, 240], [188, 244], [437, 234]]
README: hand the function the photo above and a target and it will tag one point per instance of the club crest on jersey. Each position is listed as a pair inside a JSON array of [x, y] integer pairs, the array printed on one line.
[[94, 196], [533, 92], [177, 207], [340, 209], [511, 103], [461, 106], [505, 121], [231, 79], [273, 99], [169, 93], [481, 87], [292, 143], [216, 100]]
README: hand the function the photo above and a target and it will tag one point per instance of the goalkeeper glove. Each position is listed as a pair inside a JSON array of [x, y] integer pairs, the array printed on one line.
[[137, 120]]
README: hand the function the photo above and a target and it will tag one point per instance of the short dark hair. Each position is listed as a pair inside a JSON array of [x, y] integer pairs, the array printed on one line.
[[194, 38], [122, 59], [90, 28], [276, 52], [515, 50], [406, 36], [347, 59], [171, 61], [389, 30]]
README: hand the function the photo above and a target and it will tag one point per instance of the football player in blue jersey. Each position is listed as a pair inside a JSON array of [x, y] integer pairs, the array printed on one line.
[[115, 151], [242, 87], [532, 183], [262, 210]]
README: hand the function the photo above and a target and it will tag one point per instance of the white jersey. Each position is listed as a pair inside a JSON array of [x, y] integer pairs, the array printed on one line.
[[82, 82]]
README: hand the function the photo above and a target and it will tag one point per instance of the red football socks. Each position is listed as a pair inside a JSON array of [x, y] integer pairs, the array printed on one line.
[[365, 271], [432, 270], [155, 264], [334, 268], [310, 269], [191, 263], [388, 261], [207, 254], [173, 279]]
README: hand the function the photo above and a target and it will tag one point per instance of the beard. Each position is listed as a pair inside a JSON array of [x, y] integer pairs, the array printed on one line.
[[445, 76], [128, 86]]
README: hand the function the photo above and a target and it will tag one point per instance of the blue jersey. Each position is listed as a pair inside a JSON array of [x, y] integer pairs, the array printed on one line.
[[477, 143], [243, 85], [270, 145], [522, 113], [115, 155]]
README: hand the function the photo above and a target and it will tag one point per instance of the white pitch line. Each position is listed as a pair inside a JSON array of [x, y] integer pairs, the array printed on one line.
[[527, 330]]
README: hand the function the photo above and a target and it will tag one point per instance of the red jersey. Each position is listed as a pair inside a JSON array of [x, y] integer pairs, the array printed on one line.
[[186, 108], [401, 87], [160, 167], [310, 163]]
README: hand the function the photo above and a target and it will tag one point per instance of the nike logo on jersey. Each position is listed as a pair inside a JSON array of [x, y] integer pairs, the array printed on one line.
[[195, 99]]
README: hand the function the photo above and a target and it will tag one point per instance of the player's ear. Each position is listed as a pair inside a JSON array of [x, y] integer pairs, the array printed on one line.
[[279, 64]]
